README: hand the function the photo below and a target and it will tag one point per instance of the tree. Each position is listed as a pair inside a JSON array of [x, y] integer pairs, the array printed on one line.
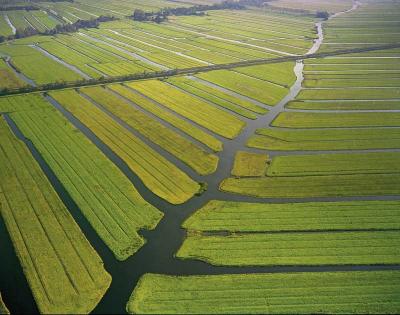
[[139, 15], [322, 15]]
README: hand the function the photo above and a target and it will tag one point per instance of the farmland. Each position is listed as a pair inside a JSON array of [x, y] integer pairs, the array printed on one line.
[[231, 216], [305, 293], [210, 156], [54, 253]]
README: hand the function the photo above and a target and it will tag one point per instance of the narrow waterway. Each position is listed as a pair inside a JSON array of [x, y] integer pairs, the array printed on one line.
[[10, 24], [157, 256]]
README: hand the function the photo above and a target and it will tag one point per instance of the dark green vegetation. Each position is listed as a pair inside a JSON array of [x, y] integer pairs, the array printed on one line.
[[308, 216], [275, 293], [63, 271]]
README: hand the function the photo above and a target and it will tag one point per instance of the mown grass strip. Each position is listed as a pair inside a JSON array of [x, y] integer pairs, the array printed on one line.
[[162, 177], [105, 196], [349, 94], [198, 111], [328, 139], [175, 121], [294, 249], [249, 164], [314, 186], [63, 271], [345, 105], [231, 216], [336, 120], [335, 164], [191, 154], [273, 293]]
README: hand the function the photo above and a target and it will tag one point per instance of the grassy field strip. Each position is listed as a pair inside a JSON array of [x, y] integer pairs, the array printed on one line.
[[306, 216], [321, 82], [171, 119], [36, 66], [336, 120], [44, 18], [172, 60], [249, 164], [36, 24], [350, 60], [200, 112], [21, 103], [314, 186], [17, 20], [279, 73], [63, 271], [226, 96], [8, 78], [156, 172], [191, 154], [349, 94], [5, 29], [325, 140], [3, 308], [294, 249], [350, 67], [179, 82], [262, 91], [335, 164], [105, 196], [344, 105], [273, 293]]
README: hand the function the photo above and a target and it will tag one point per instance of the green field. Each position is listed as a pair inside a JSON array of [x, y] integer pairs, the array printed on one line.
[[156, 172], [5, 29], [294, 249], [105, 196], [3, 307], [173, 120], [321, 82], [262, 91], [194, 156], [314, 186], [325, 139], [249, 164], [308, 216], [336, 120], [273, 293], [8, 78], [63, 271], [198, 111], [344, 105], [349, 94], [335, 164]]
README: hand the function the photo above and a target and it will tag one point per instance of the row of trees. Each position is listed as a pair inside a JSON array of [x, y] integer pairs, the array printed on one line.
[[162, 15]]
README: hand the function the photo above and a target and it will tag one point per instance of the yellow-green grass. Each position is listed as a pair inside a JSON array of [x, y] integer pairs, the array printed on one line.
[[162, 177], [105, 196], [194, 156], [172, 60], [294, 249], [248, 164], [359, 292], [322, 140], [180, 82], [175, 121], [226, 96], [342, 60], [262, 91], [38, 67], [335, 164], [344, 105], [63, 271], [336, 120], [194, 109], [314, 186], [349, 94], [5, 29], [32, 40], [8, 79], [21, 103], [352, 67], [279, 73], [321, 82], [36, 24], [232, 216], [3, 308]]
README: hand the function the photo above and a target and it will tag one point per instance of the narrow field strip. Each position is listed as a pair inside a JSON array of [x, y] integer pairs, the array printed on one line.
[[336, 120], [314, 186], [175, 121], [306, 216], [249, 164], [63, 271], [198, 111], [191, 154], [105, 196], [335, 164], [274, 293], [294, 249], [344, 105], [349, 94], [325, 139], [157, 173]]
